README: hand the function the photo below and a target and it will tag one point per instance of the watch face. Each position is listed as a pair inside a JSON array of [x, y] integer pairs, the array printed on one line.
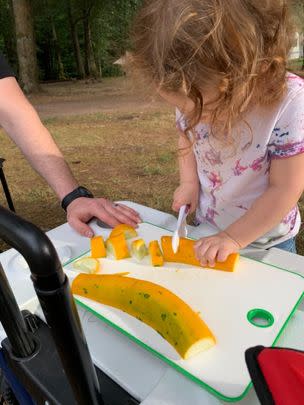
[[84, 191]]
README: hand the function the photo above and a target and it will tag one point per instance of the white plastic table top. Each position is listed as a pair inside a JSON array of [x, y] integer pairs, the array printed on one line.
[[144, 376]]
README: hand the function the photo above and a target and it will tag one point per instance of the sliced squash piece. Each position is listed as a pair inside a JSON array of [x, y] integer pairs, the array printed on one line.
[[152, 304], [156, 255], [186, 254], [98, 249], [127, 230], [139, 249], [87, 265], [117, 246]]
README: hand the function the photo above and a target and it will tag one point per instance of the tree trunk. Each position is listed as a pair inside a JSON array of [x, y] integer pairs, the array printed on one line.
[[9, 37], [61, 74], [26, 45], [76, 46], [90, 64]]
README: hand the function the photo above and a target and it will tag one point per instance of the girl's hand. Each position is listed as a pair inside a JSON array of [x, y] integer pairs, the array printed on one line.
[[215, 248], [186, 194]]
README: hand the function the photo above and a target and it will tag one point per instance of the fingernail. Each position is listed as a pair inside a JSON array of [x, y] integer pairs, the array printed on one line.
[[89, 234]]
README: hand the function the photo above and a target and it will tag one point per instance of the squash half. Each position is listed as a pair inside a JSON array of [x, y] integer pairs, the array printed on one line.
[[152, 304]]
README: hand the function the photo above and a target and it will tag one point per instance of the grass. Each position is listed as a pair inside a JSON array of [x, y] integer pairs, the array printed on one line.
[[116, 157], [119, 154]]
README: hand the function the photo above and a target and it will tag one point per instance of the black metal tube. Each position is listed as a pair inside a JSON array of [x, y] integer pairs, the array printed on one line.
[[23, 344], [6, 190], [56, 300]]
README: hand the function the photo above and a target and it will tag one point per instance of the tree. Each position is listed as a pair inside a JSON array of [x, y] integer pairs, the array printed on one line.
[[26, 46], [299, 15], [73, 27], [8, 34], [90, 63]]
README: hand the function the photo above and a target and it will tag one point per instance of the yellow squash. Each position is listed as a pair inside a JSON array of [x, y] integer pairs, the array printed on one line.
[[118, 247], [139, 249], [156, 255], [186, 254], [98, 248], [87, 265], [152, 304], [123, 229]]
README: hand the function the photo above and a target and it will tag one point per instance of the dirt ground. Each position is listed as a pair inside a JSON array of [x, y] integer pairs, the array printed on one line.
[[87, 97], [119, 143]]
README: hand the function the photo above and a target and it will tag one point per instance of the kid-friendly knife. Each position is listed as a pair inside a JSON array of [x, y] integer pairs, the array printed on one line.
[[181, 227]]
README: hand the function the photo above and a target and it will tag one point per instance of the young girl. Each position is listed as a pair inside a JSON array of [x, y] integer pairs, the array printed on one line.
[[222, 64]]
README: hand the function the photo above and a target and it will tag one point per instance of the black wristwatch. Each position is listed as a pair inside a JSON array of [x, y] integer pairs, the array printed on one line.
[[77, 193]]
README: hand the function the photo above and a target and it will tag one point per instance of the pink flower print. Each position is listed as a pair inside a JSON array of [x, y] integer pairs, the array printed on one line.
[[239, 169], [256, 165], [291, 218], [215, 179], [286, 150], [213, 197], [210, 215], [213, 157]]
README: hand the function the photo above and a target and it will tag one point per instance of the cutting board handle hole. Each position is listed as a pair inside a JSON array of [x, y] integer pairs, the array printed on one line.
[[260, 318]]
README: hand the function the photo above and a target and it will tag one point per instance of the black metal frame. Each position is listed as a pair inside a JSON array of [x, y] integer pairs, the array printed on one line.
[[53, 291], [5, 187]]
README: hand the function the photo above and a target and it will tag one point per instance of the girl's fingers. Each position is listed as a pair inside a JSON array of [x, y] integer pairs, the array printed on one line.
[[176, 206], [223, 254], [200, 243], [210, 255], [200, 252]]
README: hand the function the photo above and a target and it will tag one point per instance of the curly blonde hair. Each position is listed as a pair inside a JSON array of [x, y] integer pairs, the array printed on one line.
[[239, 46]]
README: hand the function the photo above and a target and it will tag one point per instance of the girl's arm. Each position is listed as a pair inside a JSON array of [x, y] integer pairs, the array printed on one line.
[[188, 190], [286, 184], [22, 124]]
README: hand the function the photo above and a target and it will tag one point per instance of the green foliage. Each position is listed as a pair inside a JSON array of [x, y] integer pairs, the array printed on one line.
[[108, 22]]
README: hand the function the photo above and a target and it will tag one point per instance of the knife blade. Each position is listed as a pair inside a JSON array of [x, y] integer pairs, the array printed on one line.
[[181, 229]]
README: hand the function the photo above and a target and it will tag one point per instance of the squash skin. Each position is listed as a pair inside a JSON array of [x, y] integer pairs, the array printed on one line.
[[152, 304], [157, 258], [127, 230], [98, 249], [186, 255], [118, 246]]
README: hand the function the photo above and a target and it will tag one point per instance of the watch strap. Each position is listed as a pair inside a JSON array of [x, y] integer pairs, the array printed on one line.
[[73, 195]]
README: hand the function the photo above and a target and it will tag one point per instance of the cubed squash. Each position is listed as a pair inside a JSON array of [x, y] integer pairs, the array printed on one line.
[[117, 246], [156, 255], [98, 249]]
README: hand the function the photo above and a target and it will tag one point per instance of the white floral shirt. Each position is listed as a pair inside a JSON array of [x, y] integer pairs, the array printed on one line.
[[232, 176]]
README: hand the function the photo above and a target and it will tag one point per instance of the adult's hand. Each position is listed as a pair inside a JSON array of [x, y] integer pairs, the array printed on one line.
[[82, 210]]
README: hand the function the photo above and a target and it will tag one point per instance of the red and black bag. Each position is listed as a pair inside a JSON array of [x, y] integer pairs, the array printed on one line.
[[277, 375]]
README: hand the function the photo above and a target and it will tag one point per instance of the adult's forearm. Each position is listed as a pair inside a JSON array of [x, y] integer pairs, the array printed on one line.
[[22, 123], [46, 159]]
